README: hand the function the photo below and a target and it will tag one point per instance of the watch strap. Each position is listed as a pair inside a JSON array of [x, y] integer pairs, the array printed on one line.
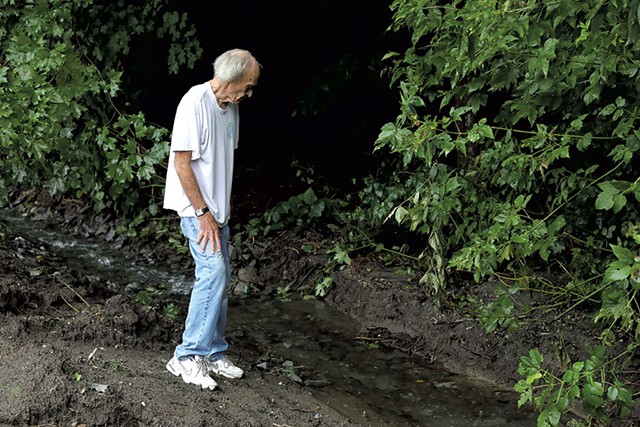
[[202, 211]]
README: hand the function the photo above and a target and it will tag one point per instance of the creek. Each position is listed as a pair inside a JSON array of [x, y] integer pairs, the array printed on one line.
[[373, 386]]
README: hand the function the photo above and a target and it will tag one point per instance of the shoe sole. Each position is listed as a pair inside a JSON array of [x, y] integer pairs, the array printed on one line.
[[186, 380], [233, 377]]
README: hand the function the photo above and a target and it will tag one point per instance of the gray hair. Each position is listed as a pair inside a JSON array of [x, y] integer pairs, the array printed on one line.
[[232, 64]]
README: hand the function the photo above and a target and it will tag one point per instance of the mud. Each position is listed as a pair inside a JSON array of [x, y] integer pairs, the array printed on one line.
[[74, 352]]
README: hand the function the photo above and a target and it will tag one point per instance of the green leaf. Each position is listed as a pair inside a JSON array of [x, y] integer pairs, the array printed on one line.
[[486, 131], [554, 416], [400, 214], [309, 196], [619, 202], [612, 393], [617, 271], [341, 256], [604, 201], [623, 254], [608, 110], [568, 376]]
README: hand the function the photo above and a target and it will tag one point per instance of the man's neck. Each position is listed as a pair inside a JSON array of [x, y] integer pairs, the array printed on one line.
[[217, 90]]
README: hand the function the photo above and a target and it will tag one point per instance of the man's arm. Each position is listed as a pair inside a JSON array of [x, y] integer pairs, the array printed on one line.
[[209, 232]]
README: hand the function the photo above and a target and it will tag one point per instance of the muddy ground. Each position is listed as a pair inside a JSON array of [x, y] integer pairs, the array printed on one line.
[[75, 353]]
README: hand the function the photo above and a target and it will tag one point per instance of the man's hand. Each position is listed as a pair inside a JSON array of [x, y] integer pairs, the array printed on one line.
[[209, 233]]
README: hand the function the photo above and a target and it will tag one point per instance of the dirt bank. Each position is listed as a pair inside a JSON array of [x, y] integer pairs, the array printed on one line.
[[74, 353]]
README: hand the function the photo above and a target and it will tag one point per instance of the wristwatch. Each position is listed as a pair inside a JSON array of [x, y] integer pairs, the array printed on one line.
[[202, 211]]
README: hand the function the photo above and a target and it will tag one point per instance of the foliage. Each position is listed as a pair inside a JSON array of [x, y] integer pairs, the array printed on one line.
[[358, 221], [61, 79], [500, 312], [517, 142], [152, 297], [580, 381], [515, 151], [495, 97], [338, 258], [306, 210], [298, 211]]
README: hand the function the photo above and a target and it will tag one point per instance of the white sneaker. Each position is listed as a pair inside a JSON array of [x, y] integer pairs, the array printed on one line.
[[224, 367], [193, 370]]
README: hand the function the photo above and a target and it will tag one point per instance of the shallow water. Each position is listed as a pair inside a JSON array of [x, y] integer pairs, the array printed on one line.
[[311, 342], [374, 386]]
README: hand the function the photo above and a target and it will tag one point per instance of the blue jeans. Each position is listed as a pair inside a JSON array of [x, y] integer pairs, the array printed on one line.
[[207, 317]]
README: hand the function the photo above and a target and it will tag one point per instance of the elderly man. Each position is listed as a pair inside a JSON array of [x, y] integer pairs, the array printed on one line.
[[198, 188]]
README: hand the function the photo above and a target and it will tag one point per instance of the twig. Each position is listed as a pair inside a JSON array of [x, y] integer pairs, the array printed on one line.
[[92, 354], [73, 290], [375, 340], [301, 280], [67, 302]]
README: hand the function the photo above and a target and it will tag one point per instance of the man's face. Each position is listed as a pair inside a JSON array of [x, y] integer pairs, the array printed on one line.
[[244, 89]]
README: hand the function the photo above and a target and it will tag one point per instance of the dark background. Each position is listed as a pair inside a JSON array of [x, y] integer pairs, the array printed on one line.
[[321, 99]]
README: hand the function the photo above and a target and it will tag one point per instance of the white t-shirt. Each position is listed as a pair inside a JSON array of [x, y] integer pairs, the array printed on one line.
[[211, 134]]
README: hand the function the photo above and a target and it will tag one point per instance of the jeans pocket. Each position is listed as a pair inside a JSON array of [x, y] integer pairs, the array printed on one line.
[[190, 228]]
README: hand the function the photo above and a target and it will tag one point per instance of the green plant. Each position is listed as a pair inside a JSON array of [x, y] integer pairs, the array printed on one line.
[[338, 259], [152, 297], [63, 94], [171, 311], [492, 179], [516, 140], [322, 288], [499, 313], [581, 383], [147, 296], [283, 293], [298, 211]]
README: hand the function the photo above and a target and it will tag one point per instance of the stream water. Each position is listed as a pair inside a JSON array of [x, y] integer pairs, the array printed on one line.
[[373, 386]]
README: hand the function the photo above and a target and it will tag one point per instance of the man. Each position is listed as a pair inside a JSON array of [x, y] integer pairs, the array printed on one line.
[[198, 188]]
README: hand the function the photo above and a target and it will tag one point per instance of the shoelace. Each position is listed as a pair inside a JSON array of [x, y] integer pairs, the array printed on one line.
[[211, 366], [202, 365]]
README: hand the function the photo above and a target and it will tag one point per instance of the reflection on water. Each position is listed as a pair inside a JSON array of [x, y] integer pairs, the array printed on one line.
[[95, 257], [373, 386]]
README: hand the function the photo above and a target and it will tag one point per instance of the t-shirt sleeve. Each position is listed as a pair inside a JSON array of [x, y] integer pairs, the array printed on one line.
[[186, 133]]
